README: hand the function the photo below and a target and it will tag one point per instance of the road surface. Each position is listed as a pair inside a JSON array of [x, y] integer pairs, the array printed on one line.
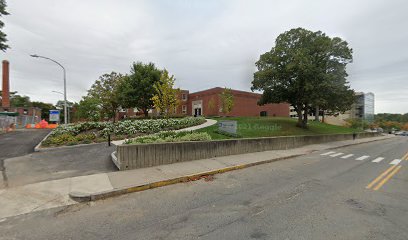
[[18, 143], [324, 195]]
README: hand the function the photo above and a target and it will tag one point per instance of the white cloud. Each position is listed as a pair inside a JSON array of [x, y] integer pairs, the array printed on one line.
[[203, 43]]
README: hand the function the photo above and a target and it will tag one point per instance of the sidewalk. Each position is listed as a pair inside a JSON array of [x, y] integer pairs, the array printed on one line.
[[50, 194]]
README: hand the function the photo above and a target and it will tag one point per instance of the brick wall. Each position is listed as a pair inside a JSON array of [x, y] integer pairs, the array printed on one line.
[[245, 104]]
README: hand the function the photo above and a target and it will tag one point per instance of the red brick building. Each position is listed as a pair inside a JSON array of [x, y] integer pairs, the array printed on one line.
[[208, 103]]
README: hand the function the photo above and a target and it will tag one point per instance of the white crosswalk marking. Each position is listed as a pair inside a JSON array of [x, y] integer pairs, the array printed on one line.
[[362, 158], [395, 161], [348, 155], [336, 154], [379, 159], [324, 154]]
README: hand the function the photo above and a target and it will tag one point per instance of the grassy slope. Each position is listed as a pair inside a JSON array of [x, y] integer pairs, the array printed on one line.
[[249, 127]]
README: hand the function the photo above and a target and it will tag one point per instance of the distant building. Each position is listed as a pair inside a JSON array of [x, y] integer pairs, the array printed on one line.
[[363, 109], [208, 103]]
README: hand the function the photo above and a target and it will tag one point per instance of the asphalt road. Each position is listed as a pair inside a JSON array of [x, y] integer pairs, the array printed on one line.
[[310, 197], [18, 143], [20, 165]]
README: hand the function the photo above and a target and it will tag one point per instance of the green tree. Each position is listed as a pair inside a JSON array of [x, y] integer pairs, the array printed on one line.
[[300, 69], [45, 109], [227, 100], [3, 36], [137, 89], [60, 105], [20, 101], [357, 123], [105, 90], [89, 108], [166, 98]]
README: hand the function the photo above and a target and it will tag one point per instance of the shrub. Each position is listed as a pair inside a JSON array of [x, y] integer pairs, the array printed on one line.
[[85, 136], [87, 132], [59, 140], [171, 136], [232, 135]]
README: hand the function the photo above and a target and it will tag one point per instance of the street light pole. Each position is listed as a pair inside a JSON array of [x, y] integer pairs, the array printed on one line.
[[65, 84], [68, 116]]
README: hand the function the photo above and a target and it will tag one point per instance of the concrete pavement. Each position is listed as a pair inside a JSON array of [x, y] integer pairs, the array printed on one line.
[[59, 164], [18, 143], [55, 193], [314, 196]]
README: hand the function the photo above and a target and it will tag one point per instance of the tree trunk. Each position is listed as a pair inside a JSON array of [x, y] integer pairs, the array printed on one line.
[[305, 115], [317, 114], [146, 112], [300, 118], [322, 116], [114, 116]]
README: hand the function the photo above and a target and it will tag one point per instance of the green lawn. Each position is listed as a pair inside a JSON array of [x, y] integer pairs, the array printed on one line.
[[251, 127]]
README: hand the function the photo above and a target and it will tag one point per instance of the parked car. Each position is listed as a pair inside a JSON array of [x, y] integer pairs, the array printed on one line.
[[401, 133]]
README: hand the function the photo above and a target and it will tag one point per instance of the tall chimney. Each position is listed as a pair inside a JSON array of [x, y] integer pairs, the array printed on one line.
[[6, 85]]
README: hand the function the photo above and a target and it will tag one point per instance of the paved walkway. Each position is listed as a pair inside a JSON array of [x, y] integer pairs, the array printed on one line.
[[50, 194], [209, 122]]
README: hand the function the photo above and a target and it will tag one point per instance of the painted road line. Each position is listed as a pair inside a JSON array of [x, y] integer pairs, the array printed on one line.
[[395, 161], [348, 155], [387, 178], [336, 154], [380, 177], [362, 158], [405, 157], [377, 160], [324, 154]]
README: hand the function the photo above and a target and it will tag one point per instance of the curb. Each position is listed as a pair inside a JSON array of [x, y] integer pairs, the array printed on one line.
[[83, 197], [351, 144], [37, 148], [86, 197], [40, 149]]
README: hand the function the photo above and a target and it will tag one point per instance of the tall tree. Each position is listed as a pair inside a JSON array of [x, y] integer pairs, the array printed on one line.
[[166, 98], [60, 105], [227, 100], [3, 36], [89, 108], [20, 101], [137, 89], [45, 109], [105, 90], [299, 70]]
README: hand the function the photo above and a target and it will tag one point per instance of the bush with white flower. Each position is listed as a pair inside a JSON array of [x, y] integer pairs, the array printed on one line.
[[118, 130]]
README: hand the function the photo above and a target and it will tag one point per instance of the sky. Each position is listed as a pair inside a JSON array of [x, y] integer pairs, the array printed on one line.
[[204, 43]]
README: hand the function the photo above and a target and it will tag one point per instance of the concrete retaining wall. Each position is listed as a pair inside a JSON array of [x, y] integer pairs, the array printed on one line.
[[148, 155]]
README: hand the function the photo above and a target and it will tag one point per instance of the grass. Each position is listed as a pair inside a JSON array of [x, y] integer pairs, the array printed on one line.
[[252, 127]]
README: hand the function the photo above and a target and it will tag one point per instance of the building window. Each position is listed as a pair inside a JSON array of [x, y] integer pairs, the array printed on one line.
[[184, 109], [184, 97]]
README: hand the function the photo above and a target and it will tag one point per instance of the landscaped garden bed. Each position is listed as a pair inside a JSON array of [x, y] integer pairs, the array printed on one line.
[[170, 136], [94, 132]]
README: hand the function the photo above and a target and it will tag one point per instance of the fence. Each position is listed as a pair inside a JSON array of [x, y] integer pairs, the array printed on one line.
[[7, 121], [22, 121]]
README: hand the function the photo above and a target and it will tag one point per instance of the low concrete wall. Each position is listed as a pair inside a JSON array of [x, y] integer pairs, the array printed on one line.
[[149, 155]]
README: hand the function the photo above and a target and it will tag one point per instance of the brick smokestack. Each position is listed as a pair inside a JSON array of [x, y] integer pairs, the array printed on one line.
[[6, 85]]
